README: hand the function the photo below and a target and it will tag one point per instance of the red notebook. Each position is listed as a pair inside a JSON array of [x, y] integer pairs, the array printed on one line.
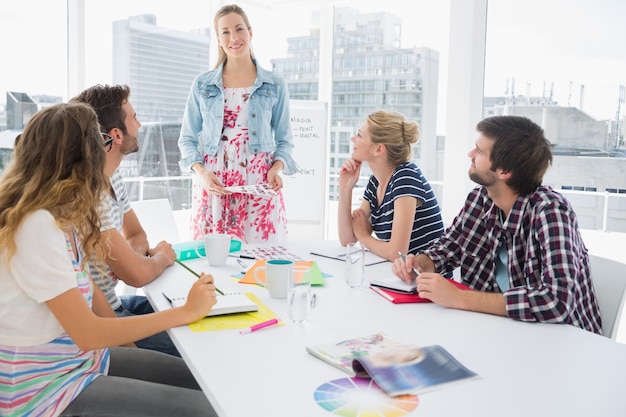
[[403, 298]]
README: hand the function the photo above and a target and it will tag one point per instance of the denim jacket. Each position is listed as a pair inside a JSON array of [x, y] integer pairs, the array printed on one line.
[[269, 123]]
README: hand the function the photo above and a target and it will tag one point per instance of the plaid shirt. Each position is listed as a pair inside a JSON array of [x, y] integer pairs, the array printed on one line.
[[548, 266]]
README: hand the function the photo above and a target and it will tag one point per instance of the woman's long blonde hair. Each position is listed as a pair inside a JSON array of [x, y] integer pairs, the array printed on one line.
[[58, 166], [223, 11]]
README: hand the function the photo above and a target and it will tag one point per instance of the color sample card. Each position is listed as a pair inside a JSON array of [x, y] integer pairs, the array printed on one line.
[[361, 397], [270, 252]]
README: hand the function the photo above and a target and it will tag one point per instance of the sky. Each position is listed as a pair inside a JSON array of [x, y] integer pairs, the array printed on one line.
[[566, 44]]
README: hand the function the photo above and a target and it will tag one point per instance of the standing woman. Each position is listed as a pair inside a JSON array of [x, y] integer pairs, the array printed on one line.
[[55, 324], [398, 205], [236, 131]]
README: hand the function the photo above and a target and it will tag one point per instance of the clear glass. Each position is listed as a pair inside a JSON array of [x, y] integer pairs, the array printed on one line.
[[355, 264], [299, 296]]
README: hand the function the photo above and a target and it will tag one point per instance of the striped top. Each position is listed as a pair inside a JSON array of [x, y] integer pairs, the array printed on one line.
[[42, 379], [406, 180], [112, 210]]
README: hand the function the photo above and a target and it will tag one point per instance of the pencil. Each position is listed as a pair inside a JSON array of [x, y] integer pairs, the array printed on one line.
[[196, 274]]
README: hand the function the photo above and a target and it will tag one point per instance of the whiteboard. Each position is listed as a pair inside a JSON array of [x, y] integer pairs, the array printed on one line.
[[306, 192]]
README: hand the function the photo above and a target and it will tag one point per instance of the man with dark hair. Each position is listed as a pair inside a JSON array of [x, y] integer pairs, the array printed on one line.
[[130, 258], [516, 241]]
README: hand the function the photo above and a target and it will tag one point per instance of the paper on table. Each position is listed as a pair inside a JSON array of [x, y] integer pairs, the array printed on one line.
[[339, 253], [254, 189], [235, 321], [317, 278], [268, 252]]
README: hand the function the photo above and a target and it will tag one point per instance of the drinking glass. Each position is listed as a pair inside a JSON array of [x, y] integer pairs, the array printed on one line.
[[355, 264], [299, 297]]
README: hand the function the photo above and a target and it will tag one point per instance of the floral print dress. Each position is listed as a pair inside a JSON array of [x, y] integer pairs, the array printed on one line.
[[251, 218]]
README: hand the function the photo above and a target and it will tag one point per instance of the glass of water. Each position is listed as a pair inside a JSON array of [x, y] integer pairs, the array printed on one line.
[[355, 264], [299, 296]]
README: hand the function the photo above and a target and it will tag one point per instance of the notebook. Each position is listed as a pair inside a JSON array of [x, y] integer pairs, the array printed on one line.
[[395, 284], [399, 297], [230, 302]]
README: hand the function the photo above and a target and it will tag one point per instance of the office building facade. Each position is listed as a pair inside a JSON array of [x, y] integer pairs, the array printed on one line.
[[370, 72], [158, 64]]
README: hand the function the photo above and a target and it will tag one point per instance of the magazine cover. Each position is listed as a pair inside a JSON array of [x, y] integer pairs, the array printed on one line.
[[340, 355], [412, 370]]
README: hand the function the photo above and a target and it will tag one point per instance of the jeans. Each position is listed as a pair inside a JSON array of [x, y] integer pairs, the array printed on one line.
[[135, 305], [142, 383]]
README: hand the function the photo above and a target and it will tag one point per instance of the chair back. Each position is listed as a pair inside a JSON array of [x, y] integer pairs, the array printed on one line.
[[609, 281], [157, 219]]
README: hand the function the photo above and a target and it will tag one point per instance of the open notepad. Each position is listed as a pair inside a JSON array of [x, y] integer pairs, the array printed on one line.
[[230, 302], [399, 292], [394, 283]]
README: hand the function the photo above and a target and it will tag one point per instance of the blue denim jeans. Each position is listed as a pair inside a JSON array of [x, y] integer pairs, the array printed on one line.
[[135, 305]]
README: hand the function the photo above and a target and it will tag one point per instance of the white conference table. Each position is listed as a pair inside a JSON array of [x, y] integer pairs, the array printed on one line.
[[526, 369]]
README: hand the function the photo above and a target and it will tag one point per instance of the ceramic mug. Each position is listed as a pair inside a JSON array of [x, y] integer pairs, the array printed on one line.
[[216, 248], [276, 277]]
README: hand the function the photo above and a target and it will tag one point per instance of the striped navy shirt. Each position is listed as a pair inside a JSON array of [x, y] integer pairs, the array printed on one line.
[[548, 264], [406, 180]]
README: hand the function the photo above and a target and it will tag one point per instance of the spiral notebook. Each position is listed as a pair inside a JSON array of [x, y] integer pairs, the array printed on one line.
[[229, 303]]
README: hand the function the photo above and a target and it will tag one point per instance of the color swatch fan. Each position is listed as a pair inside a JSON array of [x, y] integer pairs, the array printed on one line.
[[361, 397]]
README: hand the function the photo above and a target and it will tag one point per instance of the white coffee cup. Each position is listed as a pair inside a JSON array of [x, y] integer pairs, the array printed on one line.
[[276, 277], [216, 248]]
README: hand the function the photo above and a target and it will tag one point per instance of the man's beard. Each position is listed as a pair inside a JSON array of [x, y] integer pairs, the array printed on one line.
[[481, 179]]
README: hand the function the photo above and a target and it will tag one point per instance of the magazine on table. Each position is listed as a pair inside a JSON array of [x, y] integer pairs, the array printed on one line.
[[341, 354], [414, 370], [397, 368]]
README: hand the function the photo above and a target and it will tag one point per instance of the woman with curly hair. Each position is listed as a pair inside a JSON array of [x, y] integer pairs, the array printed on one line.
[[56, 326]]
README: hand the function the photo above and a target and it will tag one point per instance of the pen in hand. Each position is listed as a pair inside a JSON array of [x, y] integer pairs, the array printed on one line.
[[196, 274], [415, 271]]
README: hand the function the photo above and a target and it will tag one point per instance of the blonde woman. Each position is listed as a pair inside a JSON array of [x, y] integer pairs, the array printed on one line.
[[56, 326], [236, 131], [398, 205]]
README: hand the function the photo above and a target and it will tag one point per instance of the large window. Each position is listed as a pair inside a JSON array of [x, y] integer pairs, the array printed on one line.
[[386, 59], [563, 65], [559, 62], [34, 63]]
